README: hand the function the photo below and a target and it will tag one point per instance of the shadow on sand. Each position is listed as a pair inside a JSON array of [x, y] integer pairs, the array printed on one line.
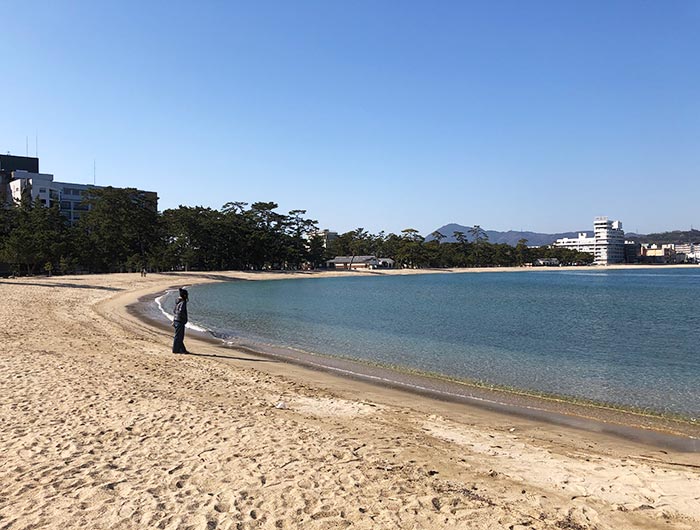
[[61, 284], [230, 357]]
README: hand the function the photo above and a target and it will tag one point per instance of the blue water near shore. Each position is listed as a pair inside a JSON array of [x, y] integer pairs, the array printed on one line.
[[630, 338]]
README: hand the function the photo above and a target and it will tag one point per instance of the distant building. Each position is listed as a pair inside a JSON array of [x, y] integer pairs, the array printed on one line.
[[22, 178], [684, 248], [582, 243], [653, 253], [328, 237], [669, 253], [9, 164], [610, 241], [607, 244], [694, 255], [691, 251], [632, 252]]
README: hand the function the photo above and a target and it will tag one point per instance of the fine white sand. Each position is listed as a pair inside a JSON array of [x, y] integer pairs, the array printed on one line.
[[102, 427]]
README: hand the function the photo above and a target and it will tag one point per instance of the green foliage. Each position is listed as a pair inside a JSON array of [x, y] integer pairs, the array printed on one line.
[[33, 237], [237, 237], [119, 232]]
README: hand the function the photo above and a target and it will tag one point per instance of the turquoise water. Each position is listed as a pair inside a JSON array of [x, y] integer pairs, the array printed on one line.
[[630, 338]]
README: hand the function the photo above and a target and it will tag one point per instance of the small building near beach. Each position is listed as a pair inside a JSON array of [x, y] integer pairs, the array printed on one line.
[[546, 262], [360, 262]]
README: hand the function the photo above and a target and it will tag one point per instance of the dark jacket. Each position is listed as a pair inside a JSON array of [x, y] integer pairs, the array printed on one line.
[[180, 314]]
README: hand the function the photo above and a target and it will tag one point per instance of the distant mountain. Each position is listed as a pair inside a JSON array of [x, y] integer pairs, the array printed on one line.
[[511, 237]]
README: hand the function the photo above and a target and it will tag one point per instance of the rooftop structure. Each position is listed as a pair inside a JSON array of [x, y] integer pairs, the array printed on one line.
[[19, 163]]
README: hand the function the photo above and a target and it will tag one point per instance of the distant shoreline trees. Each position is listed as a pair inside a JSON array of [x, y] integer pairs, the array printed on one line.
[[123, 232]]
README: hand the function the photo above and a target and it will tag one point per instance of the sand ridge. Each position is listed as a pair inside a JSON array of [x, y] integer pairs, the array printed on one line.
[[101, 427]]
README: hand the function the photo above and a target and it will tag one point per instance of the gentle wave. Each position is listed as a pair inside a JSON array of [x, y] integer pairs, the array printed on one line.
[[166, 314]]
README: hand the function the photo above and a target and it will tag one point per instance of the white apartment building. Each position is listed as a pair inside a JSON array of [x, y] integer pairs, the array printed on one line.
[[607, 244], [690, 250], [39, 184], [19, 176], [68, 196], [610, 241]]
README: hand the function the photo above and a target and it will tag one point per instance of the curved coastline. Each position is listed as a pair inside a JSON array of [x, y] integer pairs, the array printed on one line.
[[664, 431]]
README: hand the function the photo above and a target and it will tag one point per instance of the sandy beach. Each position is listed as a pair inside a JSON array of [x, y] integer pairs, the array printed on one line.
[[102, 427]]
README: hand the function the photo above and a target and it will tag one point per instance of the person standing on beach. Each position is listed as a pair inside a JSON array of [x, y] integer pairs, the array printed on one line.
[[179, 321]]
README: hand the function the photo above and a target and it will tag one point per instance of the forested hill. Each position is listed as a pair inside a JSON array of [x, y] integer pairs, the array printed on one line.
[[676, 236], [511, 237]]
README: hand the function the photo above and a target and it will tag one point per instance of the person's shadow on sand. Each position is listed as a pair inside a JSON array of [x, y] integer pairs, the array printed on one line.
[[231, 357]]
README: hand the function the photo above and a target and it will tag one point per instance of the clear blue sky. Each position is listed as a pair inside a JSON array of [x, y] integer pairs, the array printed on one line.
[[534, 115]]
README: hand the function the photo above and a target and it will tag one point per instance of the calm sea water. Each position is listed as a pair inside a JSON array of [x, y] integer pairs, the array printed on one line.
[[630, 338]]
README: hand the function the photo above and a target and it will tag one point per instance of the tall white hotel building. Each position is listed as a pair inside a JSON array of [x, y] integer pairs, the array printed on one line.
[[607, 244]]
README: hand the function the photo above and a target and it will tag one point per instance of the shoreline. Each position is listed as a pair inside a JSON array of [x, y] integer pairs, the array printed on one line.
[[653, 428]]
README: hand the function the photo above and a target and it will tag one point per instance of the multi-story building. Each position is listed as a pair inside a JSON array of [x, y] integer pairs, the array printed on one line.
[[633, 251], [691, 251], [607, 244], [42, 186], [683, 248], [23, 178], [609, 241]]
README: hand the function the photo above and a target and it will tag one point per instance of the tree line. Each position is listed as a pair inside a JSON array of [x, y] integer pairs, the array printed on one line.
[[121, 230], [471, 249]]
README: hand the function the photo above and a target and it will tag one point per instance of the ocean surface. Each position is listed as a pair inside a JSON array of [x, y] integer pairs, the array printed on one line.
[[628, 338]]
